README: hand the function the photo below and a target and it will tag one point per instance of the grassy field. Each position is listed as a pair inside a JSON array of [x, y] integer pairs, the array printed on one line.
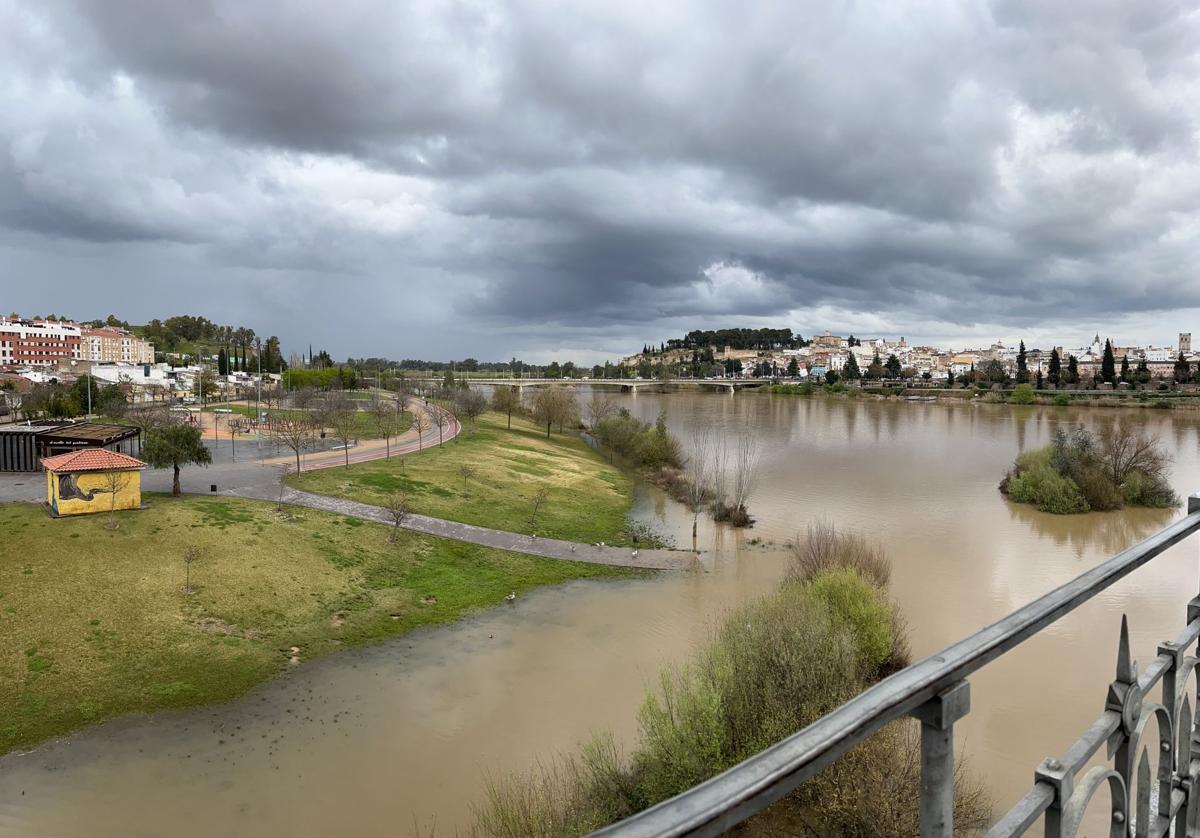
[[94, 623], [587, 499], [364, 422]]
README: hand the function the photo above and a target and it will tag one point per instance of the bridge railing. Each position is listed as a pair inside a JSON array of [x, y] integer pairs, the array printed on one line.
[[936, 692]]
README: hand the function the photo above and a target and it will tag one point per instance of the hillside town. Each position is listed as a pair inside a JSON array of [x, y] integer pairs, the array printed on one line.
[[40, 351], [830, 357]]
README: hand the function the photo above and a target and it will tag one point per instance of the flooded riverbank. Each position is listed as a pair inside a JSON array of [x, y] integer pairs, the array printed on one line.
[[400, 738]]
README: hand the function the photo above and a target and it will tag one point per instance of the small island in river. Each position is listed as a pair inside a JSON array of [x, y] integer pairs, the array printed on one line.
[[1079, 471]]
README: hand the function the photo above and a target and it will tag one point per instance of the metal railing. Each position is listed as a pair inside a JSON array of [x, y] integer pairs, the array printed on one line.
[[935, 692]]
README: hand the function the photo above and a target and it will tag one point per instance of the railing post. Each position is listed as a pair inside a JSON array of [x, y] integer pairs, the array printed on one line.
[[937, 717]]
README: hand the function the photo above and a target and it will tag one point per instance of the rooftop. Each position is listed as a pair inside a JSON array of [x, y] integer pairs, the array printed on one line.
[[91, 459]]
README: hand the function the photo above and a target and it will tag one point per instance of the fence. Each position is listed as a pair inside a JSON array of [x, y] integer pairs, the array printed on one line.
[[936, 692]]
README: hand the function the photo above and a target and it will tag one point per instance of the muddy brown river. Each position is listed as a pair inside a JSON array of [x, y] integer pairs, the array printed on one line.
[[401, 738]]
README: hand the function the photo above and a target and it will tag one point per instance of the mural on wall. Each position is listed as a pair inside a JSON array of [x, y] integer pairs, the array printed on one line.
[[68, 489]]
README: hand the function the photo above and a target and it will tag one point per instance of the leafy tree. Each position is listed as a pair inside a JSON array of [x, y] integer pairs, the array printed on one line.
[[1108, 366], [851, 372], [174, 446], [1039, 379], [1022, 365], [1183, 370], [994, 371], [1054, 374], [553, 371], [506, 400], [892, 366], [831, 377], [1142, 374]]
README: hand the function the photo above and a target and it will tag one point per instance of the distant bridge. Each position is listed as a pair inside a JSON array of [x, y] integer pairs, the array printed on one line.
[[624, 384]]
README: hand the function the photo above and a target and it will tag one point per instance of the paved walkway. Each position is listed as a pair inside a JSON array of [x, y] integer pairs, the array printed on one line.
[[251, 478], [548, 548]]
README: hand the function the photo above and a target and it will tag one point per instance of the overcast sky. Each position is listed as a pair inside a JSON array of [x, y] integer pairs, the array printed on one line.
[[451, 179]]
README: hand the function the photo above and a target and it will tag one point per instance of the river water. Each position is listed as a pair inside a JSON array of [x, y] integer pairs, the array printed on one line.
[[401, 738]]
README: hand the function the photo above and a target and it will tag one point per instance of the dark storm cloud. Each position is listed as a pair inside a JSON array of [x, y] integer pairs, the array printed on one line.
[[603, 170]]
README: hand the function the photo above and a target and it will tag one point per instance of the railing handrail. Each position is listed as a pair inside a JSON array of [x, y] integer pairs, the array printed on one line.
[[750, 786]]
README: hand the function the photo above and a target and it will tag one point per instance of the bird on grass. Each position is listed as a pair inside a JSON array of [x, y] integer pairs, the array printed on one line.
[[511, 596]]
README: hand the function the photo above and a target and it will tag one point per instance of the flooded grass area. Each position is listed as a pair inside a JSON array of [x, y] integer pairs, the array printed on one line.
[[96, 622]]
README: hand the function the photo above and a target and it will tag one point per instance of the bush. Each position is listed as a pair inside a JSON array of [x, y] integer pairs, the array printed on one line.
[[773, 667], [861, 607], [824, 548], [1046, 489], [1078, 472], [1153, 491], [1101, 494], [1061, 400], [649, 446], [1022, 394]]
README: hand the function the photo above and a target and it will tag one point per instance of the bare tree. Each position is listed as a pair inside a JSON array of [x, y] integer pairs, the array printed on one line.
[[283, 473], [387, 420], [420, 425], [1125, 449], [466, 472], [115, 482], [399, 510], [304, 398], [147, 417], [341, 415], [539, 500], [554, 405], [293, 431], [699, 474], [507, 400], [600, 407], [472, 404], [440, 418], [746, 456], [190, 554]]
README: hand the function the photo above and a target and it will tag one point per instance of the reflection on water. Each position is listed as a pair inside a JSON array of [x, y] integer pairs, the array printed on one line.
[[377, 741], [1095, 532]]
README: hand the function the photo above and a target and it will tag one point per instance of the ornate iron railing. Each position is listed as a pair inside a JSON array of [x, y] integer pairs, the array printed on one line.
[[935, 692]]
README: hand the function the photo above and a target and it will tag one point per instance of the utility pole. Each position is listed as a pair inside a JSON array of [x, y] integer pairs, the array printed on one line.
[[257, 399]]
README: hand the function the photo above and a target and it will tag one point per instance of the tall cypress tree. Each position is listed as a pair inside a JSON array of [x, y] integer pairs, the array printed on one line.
[[1022, 366], [851, 372], [1125, 368], [1108, 367], [1183, 370], [1054, 374], [1072, 369]]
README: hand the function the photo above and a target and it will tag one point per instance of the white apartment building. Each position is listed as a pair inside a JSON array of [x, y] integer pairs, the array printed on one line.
[[38, 343]]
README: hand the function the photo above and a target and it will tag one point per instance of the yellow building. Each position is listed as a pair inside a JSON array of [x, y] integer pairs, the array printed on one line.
[[92, 480]]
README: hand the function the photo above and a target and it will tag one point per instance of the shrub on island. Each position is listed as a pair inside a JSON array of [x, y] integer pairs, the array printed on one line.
[[1081, 472]]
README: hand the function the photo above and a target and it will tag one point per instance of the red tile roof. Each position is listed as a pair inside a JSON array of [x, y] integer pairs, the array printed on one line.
[[91, 459]]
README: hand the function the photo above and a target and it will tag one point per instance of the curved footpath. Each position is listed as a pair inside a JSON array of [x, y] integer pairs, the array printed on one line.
[[259, 480], [548, 548]]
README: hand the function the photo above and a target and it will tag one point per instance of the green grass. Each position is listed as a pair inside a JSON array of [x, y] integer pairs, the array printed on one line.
[[364, 422], [94, 624], [587, 499]]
